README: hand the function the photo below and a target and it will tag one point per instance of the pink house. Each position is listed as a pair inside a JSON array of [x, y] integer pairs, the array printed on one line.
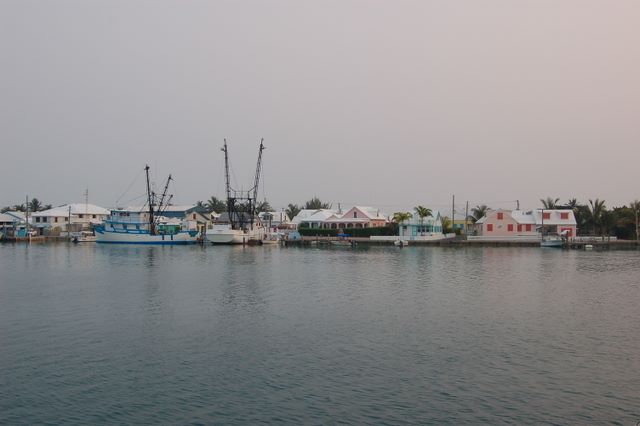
[[520, 224]]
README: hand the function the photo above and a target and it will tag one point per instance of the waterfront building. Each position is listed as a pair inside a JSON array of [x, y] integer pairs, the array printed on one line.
[[356, 217], [69, 217], [514, 225], [12, 224], [274, 219], [429, 226], [313, 219]]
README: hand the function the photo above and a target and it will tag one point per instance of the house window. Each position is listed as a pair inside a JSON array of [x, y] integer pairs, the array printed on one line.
[[510, 227], [519, 228], [38, 219], [93, 216], [489, 227], [564, 215], [66, 219], [194, 216], [81, 216], [546, 215], [500, 216], [355, 215], [528, 228]]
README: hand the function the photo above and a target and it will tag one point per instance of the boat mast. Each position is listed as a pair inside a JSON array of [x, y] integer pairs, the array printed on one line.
[[230, 200], [256, 182], [164, 195], [151, 218]]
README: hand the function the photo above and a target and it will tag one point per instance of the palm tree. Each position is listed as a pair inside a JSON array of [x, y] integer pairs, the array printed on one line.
[[572, 204], [422, 212], [316, 204], [35, 205], [550, 203], [292, 210], [19, 208], [635, 207], [399, 217], [596, 214], [263, 206], [215, 205], [478, 212], [200, 203]]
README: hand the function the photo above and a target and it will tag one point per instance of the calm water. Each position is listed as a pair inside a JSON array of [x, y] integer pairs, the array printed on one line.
[[191, 335]]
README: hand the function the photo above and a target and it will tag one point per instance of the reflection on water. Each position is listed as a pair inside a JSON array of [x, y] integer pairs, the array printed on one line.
[[97, 334]]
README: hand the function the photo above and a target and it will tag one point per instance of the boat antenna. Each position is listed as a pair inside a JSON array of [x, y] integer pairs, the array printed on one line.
[[151, 218]]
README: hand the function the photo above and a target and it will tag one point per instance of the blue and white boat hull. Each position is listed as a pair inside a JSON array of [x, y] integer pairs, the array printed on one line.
[[103, 236]]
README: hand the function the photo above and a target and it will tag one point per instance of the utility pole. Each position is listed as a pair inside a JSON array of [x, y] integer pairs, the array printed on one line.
[[26, 214], [69, 223], [453, 214], [637, 225], [466, 220], [517, 204]]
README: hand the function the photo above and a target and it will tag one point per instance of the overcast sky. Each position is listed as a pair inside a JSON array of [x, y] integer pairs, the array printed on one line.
[[382, 103]]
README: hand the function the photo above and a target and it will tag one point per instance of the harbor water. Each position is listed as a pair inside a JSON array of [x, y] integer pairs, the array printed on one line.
[[118, 334]]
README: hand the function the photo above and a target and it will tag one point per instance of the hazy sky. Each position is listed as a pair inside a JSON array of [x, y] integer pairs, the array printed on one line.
[[384, 103]]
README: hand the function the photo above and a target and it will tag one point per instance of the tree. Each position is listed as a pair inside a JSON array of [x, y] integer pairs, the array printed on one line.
[[47, 207], [263, 206], [35, 205], [200, 203], [422, 212], [316, 204], [446, 224], [550, 203], [399, 217], [292, 210], [596, 211], [215, 205], [635, 207], [478, 212], [19, 207]]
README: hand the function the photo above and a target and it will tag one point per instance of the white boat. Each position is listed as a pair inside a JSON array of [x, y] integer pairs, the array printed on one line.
[[223, 233], [136, 226], [552, 241], [400, 243], [272, 238], [239, 224], [84, 237]]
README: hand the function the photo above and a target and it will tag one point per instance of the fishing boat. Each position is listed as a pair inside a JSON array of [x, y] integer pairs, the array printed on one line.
[[145, 226], [239, 224], [551, 241], [272, 238], [84, 237]]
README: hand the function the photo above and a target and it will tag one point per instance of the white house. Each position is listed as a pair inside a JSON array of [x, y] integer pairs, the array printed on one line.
[[312, 218], [55, 220], [274, 219], [356, 217]]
